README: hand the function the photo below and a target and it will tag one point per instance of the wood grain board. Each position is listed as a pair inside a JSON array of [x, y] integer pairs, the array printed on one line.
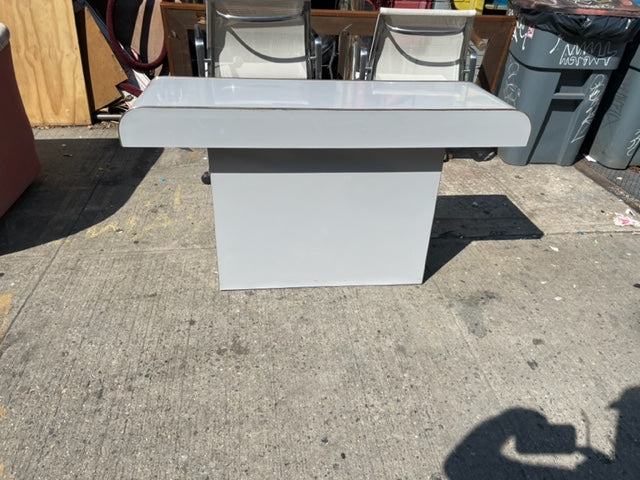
[[102, 69], [47, 61]]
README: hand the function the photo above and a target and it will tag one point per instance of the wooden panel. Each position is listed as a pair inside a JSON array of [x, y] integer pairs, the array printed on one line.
[[335, 22], [143, 20], [493, 32], [148, 35], [47, 61], [497, 31], [179, 20], [102, 69]]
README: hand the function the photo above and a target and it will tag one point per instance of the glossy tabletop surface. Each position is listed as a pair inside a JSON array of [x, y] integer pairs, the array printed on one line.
[[258, 113], [315, 94]]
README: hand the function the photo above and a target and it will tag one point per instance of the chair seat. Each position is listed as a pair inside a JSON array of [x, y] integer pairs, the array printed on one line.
[[254, 52]]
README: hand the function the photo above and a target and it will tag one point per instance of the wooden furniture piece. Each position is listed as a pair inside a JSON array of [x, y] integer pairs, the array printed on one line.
[[321, 183]]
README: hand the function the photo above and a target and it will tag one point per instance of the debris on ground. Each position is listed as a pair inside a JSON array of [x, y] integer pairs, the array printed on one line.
[[626, 220]]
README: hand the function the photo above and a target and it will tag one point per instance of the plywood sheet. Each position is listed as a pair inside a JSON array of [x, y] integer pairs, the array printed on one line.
[[102, 69], [47, 61]]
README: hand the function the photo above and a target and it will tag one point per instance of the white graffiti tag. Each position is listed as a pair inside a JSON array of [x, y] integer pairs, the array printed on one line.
[[511, 91], [593, 99], [587, 54], [613, 115], [633, 144], [521, 33]]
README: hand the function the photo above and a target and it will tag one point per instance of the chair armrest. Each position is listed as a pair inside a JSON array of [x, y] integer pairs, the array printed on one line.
[[317, 57], [470, 64], [204, 64], [362, 59]]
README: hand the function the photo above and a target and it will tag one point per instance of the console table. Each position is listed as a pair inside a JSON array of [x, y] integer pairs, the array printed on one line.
[[321, 183]]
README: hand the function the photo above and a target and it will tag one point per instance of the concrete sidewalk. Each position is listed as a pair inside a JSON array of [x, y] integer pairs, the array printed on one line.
[[120, 359]]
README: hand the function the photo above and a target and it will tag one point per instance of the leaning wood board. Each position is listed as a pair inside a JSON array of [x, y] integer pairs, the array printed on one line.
[[47, 61], [102, 69]]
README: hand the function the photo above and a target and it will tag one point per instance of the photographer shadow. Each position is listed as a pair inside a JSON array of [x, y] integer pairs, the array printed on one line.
[[483, 454]]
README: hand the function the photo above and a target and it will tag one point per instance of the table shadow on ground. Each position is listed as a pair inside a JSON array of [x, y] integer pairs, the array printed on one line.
[[462, 219], [83, 182]]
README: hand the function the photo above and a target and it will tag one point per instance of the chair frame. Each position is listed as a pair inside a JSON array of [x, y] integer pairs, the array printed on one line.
[[205, 45]]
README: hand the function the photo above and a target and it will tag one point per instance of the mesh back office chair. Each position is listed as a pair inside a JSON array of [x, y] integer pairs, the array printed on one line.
[[258, 39], [415, 44]]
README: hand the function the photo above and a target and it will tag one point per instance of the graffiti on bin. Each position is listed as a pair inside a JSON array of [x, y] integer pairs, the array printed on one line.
[[593, 98], [633, 144], [511, 91], [521, 33], [594, 53], [614, 113]]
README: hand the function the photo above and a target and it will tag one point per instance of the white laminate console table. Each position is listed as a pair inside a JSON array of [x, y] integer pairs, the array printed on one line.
[[320, 183]]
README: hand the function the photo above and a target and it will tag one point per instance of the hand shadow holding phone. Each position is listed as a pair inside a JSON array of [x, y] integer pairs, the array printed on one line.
[[481, 454]]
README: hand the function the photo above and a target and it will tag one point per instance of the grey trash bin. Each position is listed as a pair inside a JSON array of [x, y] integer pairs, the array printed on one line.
[[558, 80], [616, 141]]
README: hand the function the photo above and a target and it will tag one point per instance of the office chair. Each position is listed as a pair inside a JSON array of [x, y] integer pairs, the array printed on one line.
[[258, 39], [417, 44]]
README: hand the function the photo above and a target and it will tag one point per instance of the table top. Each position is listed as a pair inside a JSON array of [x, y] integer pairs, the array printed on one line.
[[261, 94], [257, 113]]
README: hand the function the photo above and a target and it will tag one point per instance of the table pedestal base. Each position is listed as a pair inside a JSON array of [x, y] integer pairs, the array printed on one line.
[[331, 217]]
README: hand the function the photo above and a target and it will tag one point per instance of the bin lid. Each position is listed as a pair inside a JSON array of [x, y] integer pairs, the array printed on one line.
[[576, 20], [610, 8]]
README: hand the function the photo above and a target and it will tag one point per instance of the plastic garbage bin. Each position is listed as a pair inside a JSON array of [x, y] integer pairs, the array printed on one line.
[[617, 138], [556, 72]]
